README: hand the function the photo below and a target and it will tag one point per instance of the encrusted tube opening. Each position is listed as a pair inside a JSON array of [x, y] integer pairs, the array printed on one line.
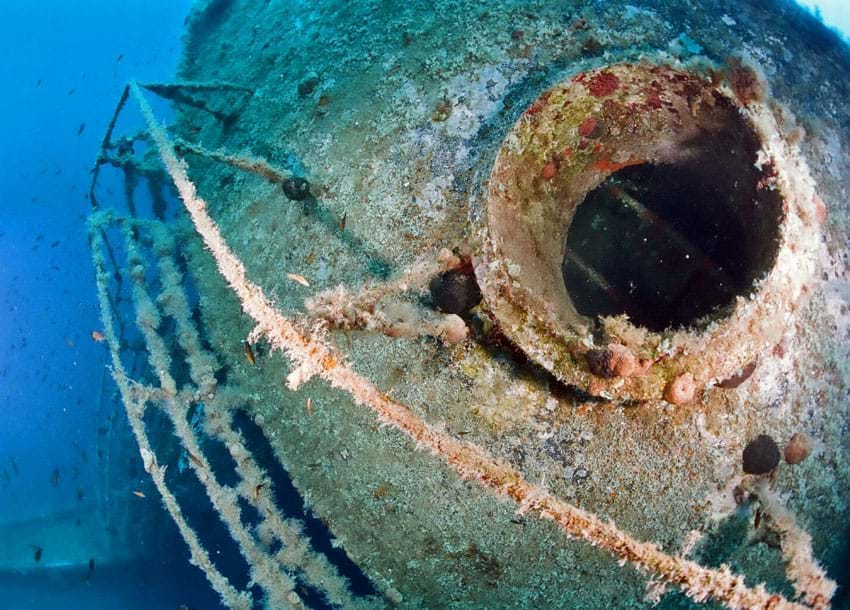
[[673, 244], [643, 230]]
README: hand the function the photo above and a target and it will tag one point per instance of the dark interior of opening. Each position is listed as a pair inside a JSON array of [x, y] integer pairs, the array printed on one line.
[[672, 245]]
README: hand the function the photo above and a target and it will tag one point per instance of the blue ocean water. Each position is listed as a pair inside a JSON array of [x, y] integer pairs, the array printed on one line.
[[64, 65]]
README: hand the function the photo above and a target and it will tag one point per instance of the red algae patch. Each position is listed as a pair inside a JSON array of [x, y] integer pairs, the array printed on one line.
[[587, 127], [550, 170], [603, 84]]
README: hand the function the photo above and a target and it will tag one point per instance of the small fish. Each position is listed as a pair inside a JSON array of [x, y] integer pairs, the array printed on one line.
[[197, 461], [83, 455], [15, 466], [54, 478], [342, 222], [91, 565], [309, 406], [38, 551], [119, 58], [249, 354], [38, 84], [97, 336], [81, 493], [137, 493], [81, 129], [295, 277], [257, 489]]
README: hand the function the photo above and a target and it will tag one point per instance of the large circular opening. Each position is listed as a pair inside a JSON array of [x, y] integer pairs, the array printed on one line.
[[673, 244], [647, 215]]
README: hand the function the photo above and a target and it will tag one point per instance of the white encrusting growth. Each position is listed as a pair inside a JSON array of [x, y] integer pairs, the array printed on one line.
[[135, 403], [271, 571], [810, 581], [373, 308], [279, 587]]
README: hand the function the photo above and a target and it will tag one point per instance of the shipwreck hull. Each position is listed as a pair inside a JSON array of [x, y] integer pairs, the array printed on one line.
[[396, 113]]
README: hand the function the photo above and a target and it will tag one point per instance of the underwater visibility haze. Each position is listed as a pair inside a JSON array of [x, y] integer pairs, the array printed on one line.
[[449, 304]]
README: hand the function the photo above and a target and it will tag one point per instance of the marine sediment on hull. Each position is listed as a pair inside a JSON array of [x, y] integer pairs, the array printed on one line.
[[397, 128]]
